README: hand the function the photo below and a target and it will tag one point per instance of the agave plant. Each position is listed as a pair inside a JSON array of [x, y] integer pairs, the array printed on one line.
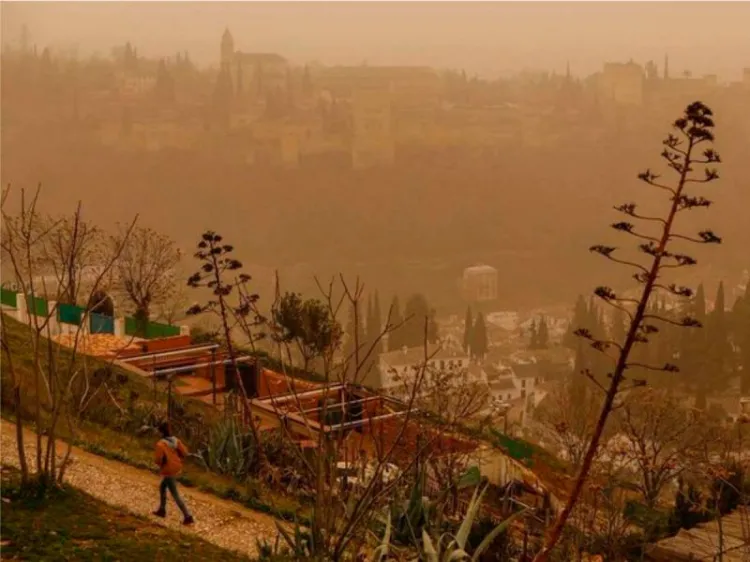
[[228, 450], [452, 548], [420, 512]]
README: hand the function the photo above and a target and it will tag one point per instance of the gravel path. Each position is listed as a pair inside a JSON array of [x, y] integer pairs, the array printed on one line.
[[218, 521]]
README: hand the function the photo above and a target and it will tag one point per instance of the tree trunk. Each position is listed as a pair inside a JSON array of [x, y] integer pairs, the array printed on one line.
[[142, 315], [19, 435]]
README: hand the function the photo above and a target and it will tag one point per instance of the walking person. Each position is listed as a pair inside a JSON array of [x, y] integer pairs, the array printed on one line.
[[169, 453]]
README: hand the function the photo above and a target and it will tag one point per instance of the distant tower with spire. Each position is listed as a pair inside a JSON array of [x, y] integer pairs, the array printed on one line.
[[227, 49], [666, 67]]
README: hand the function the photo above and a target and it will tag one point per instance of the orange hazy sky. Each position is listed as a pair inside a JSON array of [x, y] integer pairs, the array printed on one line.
[[488, 38]]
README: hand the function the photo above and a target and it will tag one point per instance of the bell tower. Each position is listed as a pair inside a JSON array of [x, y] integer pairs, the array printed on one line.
[[227, 49]]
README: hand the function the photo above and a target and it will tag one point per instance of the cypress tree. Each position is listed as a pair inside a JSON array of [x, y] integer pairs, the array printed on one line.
[[543, 334], [395, 336], [579, 321], [480, 343], [694, 351], [416, 313], [533, 336], [432, 327], [354, 326], [369, 332], [578, 383], [377, 323], [468, 330], [618, 329], [741, 324], [719, 349]]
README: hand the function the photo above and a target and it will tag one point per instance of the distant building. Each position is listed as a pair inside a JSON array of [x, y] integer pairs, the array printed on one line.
[[479, 283], [394, 366], [373, 142], [515, 385], [253, 74], [621, 84], [407, 86]]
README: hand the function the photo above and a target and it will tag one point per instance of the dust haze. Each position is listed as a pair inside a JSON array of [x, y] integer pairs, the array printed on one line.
[[404, 142]]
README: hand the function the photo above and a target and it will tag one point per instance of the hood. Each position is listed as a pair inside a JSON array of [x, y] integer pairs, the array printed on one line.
[[171, 441]]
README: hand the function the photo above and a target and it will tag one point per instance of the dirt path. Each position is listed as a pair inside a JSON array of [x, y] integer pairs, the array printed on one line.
[[218, 521]]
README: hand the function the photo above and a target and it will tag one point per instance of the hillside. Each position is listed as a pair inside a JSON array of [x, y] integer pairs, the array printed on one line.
[[73, 525]]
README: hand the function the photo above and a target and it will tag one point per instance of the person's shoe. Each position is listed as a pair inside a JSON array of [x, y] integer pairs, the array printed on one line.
[[160, 512], [188, 520]]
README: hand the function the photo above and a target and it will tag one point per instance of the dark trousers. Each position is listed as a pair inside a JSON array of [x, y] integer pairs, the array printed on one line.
[[169, 483]]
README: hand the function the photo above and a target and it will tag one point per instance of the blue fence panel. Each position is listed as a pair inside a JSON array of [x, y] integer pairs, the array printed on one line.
[[69, 314], [101, 324]]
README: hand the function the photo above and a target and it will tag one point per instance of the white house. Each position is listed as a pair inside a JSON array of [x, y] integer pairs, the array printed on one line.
[[516, 385], [395, 365]]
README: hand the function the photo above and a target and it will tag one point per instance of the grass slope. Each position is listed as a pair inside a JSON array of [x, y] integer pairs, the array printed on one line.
[[72, 525]]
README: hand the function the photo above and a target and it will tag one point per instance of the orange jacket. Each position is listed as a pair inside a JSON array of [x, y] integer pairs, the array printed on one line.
[[168, 455]]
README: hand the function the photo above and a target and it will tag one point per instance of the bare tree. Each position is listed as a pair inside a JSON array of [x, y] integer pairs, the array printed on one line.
[[680, 152], [71, 250], [146, 270], [569, 416], [55, 372], [661, 439], [174, 306]]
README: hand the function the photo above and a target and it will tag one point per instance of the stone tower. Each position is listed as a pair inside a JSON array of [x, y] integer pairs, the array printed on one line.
[[227, 49]]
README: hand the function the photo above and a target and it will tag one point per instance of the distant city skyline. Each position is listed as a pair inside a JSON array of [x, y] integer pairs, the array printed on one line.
[[484, 38]]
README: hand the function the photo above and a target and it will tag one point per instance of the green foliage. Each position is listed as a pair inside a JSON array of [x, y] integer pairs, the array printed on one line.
[[395, 337], [307, 323], [419, 322], [447, 546], [68, 524], [654, 522], [229, 450], [468, 329], [479, 343]]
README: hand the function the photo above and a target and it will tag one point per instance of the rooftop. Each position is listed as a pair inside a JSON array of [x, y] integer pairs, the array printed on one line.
[[416, 355]]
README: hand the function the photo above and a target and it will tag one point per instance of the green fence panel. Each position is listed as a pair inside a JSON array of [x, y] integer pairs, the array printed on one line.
[[517, 450], [37, 306], [69, 314], [9, 298], [100, 324], [156, 330], [131, 326]]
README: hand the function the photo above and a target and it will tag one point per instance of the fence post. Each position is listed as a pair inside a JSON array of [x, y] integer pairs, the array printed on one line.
[[52, 312], [120, 327], [21, 307]]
